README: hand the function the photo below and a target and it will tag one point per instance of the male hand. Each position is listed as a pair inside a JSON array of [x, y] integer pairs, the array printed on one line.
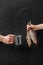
[[9, 39]]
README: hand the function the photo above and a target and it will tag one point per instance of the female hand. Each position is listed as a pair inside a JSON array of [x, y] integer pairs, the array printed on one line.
[[31, 27]]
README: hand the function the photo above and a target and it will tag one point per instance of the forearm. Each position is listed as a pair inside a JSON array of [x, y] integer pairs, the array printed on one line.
[[39, 26]]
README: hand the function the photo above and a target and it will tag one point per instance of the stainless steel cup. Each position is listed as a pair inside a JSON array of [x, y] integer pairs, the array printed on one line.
[[18, 40]]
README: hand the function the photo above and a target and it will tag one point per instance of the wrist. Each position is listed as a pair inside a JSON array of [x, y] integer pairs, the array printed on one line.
[[1, 38], [36, 27]]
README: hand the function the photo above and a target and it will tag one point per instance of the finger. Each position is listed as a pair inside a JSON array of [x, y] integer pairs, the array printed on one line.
[[11, 38], [11, 35], [11, 42], [28, 27]]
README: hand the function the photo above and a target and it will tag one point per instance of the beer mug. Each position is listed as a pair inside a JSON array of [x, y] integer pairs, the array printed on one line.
[[18, 40]]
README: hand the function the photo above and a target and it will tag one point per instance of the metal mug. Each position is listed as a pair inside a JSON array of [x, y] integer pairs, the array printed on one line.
[[18, 40]]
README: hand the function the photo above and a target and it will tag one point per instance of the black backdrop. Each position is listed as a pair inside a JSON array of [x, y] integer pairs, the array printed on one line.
[[14, 15]]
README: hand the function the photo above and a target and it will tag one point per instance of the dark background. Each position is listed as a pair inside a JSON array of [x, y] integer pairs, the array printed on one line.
[[14, 15]]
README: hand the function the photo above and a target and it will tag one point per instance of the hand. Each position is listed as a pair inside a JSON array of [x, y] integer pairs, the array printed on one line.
[[31, 27], [9, 39]]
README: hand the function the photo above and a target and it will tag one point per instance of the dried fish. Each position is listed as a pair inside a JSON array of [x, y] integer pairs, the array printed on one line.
[[28, 39], [31, 35]]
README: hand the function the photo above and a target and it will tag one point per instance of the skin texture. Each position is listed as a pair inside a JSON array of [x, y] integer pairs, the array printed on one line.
[[8, 39], [35, 27]]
